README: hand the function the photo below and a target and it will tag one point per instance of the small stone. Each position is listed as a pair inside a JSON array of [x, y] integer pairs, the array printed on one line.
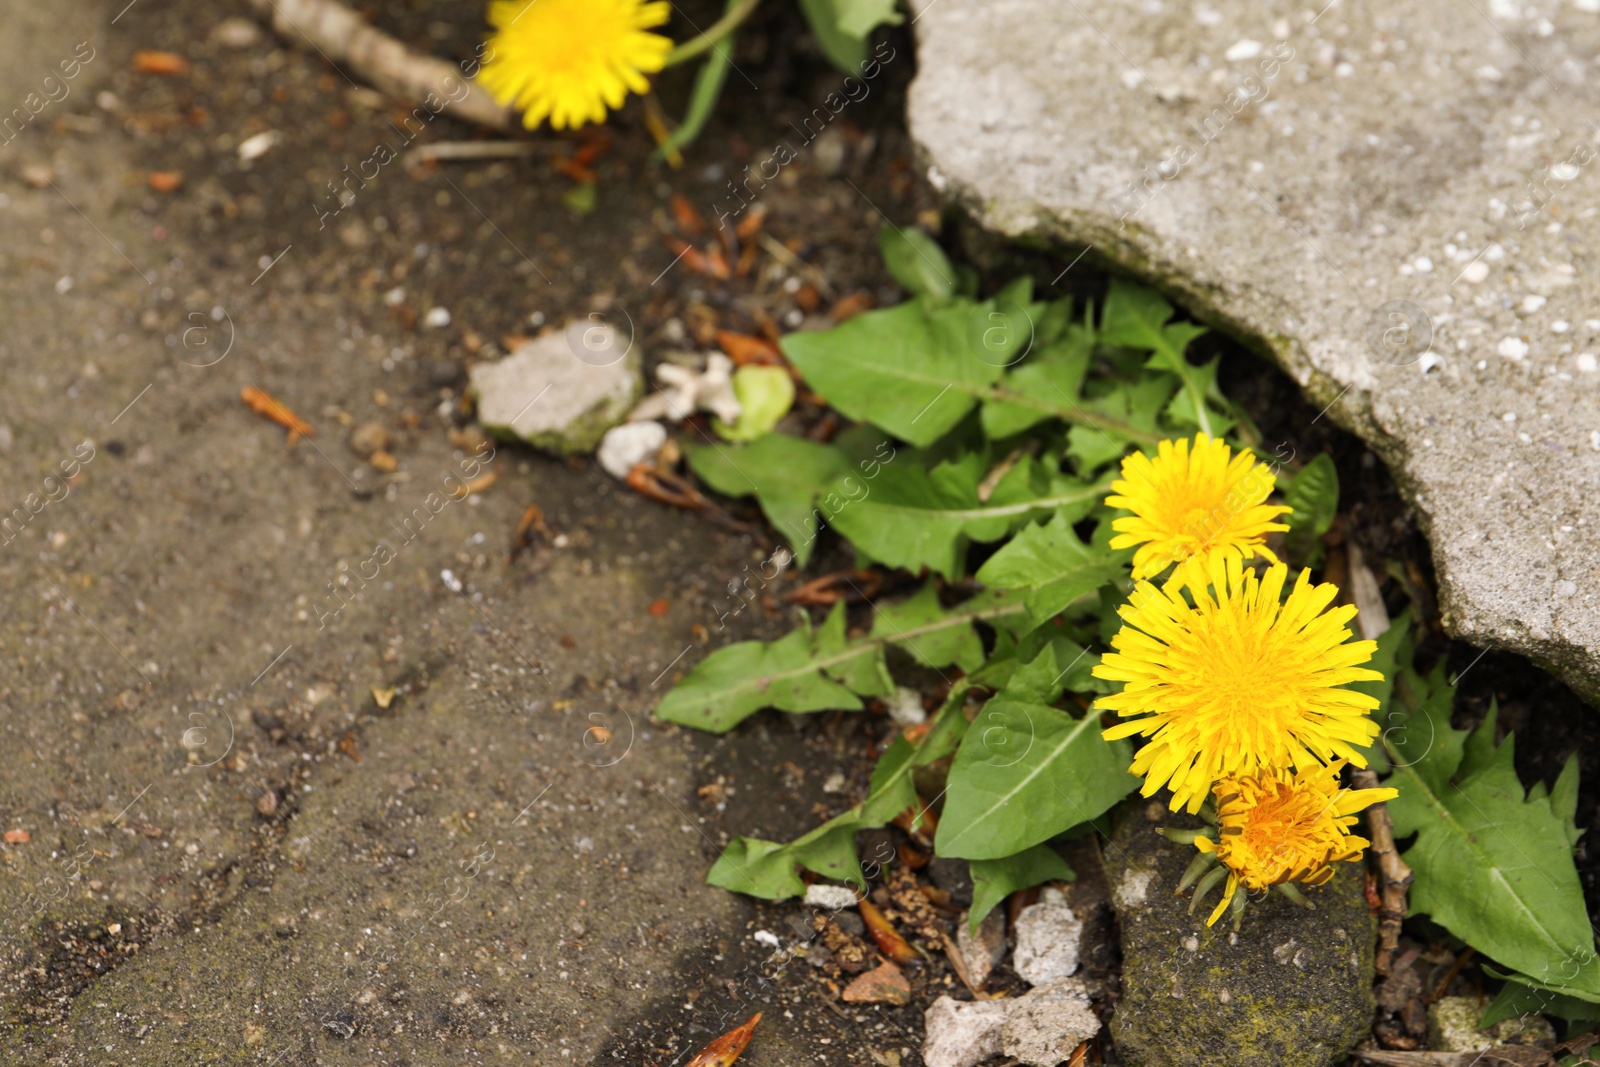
[[368, 438], [546, 395], [38, 175], [236, 33], [905, 707], [1048, 934], [255, 147], [1044, 1026], [436, 318], [632, 443], [832, 897], [984, 950], [962, 1033], [883, 985], [267, 804], [1453, 1027]]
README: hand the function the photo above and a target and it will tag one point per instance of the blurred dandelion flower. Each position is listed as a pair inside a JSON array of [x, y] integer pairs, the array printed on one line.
[[1239, 683], [570, 60], [1276, 828], [1193, 505]]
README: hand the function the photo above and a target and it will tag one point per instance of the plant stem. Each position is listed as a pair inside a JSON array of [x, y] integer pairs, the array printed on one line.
[[708, 40]]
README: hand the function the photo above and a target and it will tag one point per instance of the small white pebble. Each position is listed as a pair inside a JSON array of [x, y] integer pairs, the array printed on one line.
[[1476, 272], [437, 317], [1243, 49], [832, 897], [1422, 264], [1560, 326], [1586, 363], [258, 146], [395, 297], [1510, 416], [64, 285], [766, 937], [1532, 303], [1514, 348]]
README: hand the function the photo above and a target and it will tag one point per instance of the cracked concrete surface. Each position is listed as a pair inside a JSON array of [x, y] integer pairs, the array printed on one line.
[[1394, 203]]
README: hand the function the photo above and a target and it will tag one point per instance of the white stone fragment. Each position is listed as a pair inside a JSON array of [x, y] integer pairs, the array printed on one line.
[[832, 897], [1048, 934], [1513, 348], [1045, 1025], [631, 443], [961, 1033]]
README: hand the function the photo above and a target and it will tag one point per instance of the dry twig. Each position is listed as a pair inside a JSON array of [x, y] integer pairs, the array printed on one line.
[[1396, 875], [342, 36]]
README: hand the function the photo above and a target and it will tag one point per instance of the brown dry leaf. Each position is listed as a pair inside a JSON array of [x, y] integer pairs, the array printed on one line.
[[18, 837], [884, 935], [883, 985], [148, 62], [746, 350], [477, 485], [383, 697], [851, 306], [263, 404], [727, 1048], [689, 221]]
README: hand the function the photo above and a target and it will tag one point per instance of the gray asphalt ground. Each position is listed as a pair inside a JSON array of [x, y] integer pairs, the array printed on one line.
[[236, 852]]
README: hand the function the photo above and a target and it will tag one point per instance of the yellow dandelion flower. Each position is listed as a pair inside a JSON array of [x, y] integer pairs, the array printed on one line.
[[1276, 828], [569, 60], [1238, 683], [1192, 505]]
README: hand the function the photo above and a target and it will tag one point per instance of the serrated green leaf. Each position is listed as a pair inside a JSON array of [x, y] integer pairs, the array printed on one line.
[[1180, 409], [785, 474], [1051, 378], [1313, 494], [1052, 566], [1564, 799], [847, 51], [907, 369], [917, 369], [915, 518], [1138, 317], [1517, 999], [916, 261], [1024, 773], [861, 17], [994, 880], [770, 870], [804, 671], [937, 646], [1492, 864], [1129, 414], [819, 670]]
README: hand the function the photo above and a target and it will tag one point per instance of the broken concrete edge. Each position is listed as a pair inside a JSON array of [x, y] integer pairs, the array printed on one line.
[[1127, 251]]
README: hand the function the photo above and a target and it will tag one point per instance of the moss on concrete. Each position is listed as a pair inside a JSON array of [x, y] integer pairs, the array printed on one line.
[[1292, 988]]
